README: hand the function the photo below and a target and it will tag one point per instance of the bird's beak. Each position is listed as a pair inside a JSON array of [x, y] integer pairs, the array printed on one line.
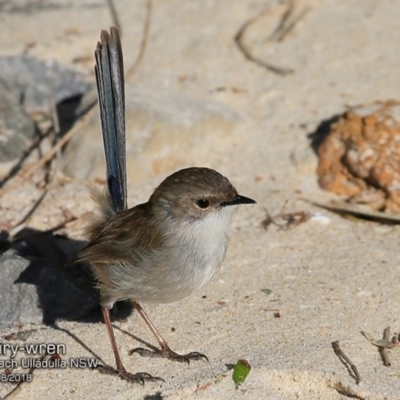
[[238, 199]]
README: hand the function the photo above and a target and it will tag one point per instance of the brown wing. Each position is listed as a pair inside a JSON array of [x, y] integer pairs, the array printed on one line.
[[120, 237]]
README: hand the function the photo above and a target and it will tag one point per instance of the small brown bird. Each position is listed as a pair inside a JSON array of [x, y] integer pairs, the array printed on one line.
[[160, 251]]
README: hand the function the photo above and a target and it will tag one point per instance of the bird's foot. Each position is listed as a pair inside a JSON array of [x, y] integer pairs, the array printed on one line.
[[166, 352], [140, 377]]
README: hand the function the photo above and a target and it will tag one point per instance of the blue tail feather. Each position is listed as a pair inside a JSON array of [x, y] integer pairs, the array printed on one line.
[[110, 87]]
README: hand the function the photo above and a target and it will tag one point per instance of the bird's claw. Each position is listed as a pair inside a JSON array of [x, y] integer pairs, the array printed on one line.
[[140, 377], [170, 355]]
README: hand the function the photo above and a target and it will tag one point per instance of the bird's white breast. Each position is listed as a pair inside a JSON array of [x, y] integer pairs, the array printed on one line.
[[203, 247], [190, 257]]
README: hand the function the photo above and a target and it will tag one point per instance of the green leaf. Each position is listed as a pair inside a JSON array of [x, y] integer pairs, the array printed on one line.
[[240, 372], [267, 291]]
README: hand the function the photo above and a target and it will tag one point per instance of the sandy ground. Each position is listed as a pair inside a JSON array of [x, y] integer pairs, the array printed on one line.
[[330, 277]]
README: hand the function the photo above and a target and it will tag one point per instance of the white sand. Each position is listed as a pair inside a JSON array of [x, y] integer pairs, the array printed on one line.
[[330, 279]]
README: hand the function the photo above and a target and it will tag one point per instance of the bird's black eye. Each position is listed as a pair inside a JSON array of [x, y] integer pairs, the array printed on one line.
[[202, 203]]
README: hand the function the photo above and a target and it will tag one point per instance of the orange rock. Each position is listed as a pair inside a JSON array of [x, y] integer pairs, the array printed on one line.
[[360, 158]]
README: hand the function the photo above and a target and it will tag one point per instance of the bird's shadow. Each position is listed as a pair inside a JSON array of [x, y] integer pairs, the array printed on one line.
[[65, 291]]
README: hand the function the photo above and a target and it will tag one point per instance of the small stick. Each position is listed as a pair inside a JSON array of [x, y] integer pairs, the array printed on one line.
[[382, 350], [114, 15], [276, 34], [289, 220], [346, 362], [357, 210], [382, 344], [143, 43], [289, 27], [248, 54], [14, 170]]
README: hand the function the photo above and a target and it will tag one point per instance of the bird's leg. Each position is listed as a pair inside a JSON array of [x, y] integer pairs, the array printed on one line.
[[140, 377], [165, 351]]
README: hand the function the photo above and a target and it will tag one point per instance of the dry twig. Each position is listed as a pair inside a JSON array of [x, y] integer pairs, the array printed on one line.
[[286, 25], [353, 371], [383, 344], [143, 43], [285, 221]]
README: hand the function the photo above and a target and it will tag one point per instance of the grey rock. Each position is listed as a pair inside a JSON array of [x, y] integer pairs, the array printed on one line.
[[16, 127], [32, 289], [28, 84], [41, 82], [19, 302]]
